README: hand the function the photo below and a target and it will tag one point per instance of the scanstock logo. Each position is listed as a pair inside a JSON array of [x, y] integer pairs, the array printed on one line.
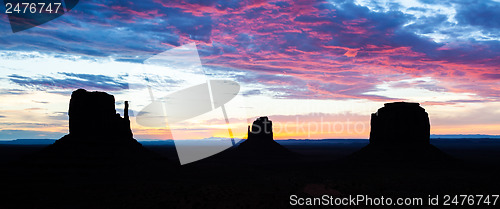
[[25, 14], [172, 95]]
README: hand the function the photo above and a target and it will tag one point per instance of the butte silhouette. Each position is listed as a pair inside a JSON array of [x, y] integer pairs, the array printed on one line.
[[258, 148], [260, 143], [97, 134], [260, 139], [400, 133]]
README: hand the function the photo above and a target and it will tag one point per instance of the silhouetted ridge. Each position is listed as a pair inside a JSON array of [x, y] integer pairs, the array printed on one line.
[[400, 132]]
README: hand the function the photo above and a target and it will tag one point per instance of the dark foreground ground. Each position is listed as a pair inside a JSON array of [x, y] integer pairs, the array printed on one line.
[[321, 169]]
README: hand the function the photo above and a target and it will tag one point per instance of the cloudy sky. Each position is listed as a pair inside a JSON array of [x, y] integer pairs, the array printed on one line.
[[316, 68]]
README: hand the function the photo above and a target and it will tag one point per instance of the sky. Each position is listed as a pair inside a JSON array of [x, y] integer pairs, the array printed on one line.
[[318, 69]]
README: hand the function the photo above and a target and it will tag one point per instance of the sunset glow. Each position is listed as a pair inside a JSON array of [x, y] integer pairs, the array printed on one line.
[[317, 69]]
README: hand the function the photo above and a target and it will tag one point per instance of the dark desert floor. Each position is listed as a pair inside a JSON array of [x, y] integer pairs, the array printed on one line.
[[218, 182]]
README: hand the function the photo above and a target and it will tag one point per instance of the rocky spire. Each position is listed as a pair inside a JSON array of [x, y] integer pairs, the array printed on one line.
[[125, 111]]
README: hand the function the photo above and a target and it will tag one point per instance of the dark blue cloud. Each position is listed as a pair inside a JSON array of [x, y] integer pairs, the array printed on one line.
[[133, 31], [266, 37], [219, 4], [251, 92], [194, 27], [111, 28], [12, 92], [482, 13], [493, 76], [388, 29], [71, 81], [282, 4]]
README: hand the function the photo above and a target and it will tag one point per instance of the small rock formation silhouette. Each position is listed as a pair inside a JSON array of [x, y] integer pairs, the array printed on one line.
[[97, 134], [400, 133], [260, 140], [258, 149]]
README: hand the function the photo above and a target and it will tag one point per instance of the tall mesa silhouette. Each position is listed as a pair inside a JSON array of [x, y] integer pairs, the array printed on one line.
[[400, 133], [97, 134]]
